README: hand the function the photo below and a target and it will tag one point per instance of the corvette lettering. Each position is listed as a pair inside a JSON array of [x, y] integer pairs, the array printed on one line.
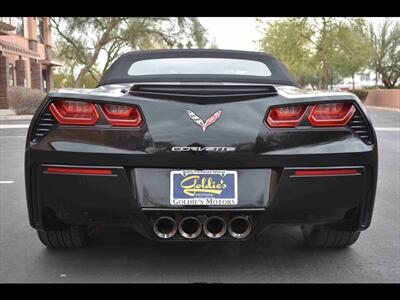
[[203, 149]]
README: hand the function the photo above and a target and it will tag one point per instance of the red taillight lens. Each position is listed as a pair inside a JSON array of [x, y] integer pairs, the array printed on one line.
[[122, 115], [74, 112], [331, 114], [287, 116]]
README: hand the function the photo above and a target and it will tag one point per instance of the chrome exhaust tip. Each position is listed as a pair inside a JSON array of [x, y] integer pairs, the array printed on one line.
[[239, 227], [214, 227], [165, 227], [189, 227]]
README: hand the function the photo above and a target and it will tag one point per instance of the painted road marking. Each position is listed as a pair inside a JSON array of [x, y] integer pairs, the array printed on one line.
[[387, 128], [12, 126], [7, 181]]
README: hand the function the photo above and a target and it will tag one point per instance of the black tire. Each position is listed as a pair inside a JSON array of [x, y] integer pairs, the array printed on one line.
[[324, 237], [73, 236]]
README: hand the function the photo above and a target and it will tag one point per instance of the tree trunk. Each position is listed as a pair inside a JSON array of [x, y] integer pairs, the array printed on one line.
[[352, 79], [386, 82], [105, 38], [82, 73], [89, 65]]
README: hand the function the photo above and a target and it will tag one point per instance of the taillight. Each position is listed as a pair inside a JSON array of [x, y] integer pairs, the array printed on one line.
[[74, 112], [85, 113], [122, 115], [331, 114], [320, 115], [286, 116]]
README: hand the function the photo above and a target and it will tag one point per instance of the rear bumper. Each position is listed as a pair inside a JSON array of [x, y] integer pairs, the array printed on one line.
[[134, 197]]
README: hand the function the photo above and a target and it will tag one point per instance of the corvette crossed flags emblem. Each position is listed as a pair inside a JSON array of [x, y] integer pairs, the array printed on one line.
[[199, 121]]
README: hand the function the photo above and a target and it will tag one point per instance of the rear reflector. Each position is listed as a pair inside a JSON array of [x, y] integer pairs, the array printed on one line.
[[79, 171], [122, 115], [331, 114], [74, 112], [286, 116], [325, 172]]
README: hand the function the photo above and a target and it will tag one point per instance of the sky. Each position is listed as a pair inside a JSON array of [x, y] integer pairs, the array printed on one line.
[[239, 33]]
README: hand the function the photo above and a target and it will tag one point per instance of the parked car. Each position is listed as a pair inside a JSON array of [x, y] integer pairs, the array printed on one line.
[[200, 145]]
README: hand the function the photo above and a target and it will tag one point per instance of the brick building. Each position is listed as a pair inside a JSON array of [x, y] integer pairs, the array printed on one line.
[[25, 54]]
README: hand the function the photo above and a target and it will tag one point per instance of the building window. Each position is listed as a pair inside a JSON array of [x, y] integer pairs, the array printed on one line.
[[44, 77], [19, 26], [10, 75], [40, 30]]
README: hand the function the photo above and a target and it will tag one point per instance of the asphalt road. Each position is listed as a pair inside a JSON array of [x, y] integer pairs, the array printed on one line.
[[118, 255]]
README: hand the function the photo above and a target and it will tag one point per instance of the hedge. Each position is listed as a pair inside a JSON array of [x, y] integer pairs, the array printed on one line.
[[24, 101], [361, 94]]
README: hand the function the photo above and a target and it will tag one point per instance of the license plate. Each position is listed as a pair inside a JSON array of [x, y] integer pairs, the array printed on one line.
[[206, 187]]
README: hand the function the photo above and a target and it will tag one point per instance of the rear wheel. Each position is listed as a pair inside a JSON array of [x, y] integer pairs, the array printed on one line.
[[324, 237], [72, 236]]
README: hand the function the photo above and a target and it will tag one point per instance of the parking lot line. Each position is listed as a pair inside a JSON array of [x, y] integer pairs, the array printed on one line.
[[7, 181], [12, 126], [387, 128]]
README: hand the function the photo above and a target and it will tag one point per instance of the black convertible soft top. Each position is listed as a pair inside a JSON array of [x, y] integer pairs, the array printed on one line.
[[118, 72]]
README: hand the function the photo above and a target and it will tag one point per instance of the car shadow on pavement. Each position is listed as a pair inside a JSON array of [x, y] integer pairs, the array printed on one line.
[[120, 255]]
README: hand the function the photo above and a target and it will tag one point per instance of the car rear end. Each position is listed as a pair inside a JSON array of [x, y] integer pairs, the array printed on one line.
[[118, 155]]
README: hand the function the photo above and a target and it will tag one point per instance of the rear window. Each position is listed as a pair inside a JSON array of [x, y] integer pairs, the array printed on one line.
[[211, 66]]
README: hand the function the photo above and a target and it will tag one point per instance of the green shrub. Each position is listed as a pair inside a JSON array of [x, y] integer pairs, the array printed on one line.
[[361, 94], [24, 101]]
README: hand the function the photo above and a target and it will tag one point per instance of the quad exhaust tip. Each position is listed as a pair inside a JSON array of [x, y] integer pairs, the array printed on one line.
[[214, 227], [239, 227], [189, 227], [165, 227]]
